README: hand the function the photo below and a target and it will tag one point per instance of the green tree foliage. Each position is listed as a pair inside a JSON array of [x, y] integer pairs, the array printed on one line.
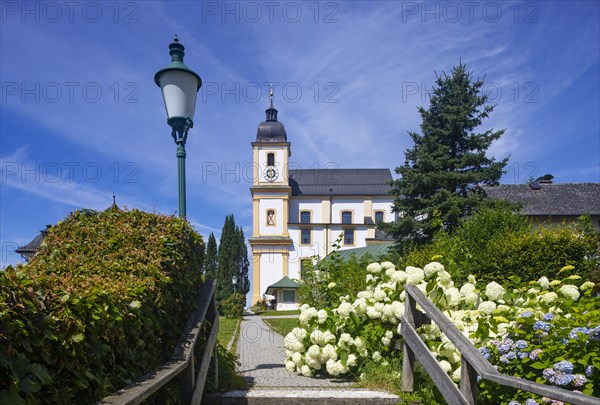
[[102, 303], [497, 243], [211, 260], [232, 261], [448, 161]]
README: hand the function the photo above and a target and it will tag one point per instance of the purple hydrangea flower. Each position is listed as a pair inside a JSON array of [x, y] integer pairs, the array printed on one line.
[[534, 354], [548, 374], [531, 401], [541, 325], [511, 355], [504, 359], [563, 378], [564, 341], [503, 348], [564, 366], [520, 344], [526, 314], [574, 334], [522, 355], [549, 316], [589, 370], [513, 402], [579, 380], [485, 352], [595, 333]]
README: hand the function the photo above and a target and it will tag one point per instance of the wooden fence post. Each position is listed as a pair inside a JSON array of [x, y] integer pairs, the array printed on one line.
[[408, 356], [188, 380], [216, 359], [468, 380]]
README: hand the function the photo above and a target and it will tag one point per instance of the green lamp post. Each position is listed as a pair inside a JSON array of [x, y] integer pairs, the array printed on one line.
[[179, 85]]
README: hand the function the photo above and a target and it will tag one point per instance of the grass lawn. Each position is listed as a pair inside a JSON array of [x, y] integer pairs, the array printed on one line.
[[283, 326], [272, 312], [226, 329]]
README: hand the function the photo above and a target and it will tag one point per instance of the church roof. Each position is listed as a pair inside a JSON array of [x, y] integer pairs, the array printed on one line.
[[271, 130], [551, 199], [340, 182]]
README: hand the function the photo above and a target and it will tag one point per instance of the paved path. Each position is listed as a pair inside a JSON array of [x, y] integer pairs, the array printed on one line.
[[261, 354]]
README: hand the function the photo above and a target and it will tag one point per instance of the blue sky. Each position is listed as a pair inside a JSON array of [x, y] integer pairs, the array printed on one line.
[[81, 116]]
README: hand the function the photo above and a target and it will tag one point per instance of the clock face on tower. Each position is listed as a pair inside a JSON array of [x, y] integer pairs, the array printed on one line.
[[271, 174]]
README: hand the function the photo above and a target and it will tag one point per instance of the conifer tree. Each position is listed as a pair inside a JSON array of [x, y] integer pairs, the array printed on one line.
[[228, 259], [440, 178], [211, 260], [244, 281]]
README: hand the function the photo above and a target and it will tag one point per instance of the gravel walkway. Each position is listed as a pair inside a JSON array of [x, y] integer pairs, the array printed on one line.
[[261, 355]]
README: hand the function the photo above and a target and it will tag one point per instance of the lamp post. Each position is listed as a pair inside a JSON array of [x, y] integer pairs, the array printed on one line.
[[234, 282], [179, 86]]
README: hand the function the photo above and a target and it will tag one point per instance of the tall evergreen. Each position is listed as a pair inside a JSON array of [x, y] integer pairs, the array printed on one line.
[[228, 259], [244, 283], [442, 171], [211, 260]]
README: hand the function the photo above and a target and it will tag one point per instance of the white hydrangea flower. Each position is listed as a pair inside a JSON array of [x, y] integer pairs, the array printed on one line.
[[549, 297], [471, 279], [290, 366], [390, 271], [569, 291], [544, 283], [322, 316], [358, 343], [447, 367], [364, 294], [533, 290], [456, 375], [300, 333], [304, 307], [306, 371], [445, 279], [321, 338], [328, 353], [387, 265], [374, 268], [373, 312], [344, 309], [386, 341], [314, 351], [370, 278], [399, 276], [415, 275], [376, 357], [494, 291], [452, 296], [467, 288], [313, 362], [351, 362], [292, 343], [379, 294], [487, 307], [331, 285], [432, 269], [503, 308], [360, 306], [297, 359]]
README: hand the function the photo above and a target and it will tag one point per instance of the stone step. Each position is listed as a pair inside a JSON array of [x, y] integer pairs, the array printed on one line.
[[297, 396]]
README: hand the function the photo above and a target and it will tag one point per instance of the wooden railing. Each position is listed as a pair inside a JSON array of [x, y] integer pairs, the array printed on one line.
[[182, 361], [473, 363]]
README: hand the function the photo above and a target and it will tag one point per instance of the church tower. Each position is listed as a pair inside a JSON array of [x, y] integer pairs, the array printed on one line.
[[270, 241]]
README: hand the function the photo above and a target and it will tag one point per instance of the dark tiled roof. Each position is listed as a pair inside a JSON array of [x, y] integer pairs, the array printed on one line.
[[285, 282], [551, 199], [32, 246], [340, 182]]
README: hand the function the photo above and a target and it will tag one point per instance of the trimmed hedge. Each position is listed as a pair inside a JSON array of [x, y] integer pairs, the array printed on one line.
[[102, 303], [497, 243]]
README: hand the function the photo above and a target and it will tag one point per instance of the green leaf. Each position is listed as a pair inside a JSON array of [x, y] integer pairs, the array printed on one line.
[[78, 337], [538, 365], [41, 373], [29, 386]]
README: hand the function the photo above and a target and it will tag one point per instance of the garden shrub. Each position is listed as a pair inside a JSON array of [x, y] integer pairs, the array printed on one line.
[[103, 302], [496, 243], [233, 307]]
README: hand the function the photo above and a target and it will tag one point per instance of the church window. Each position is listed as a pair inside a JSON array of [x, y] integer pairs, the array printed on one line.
[[270, 159], [305, 236], [346, 217], [349, 237], [305, 217], [270, 217], [379, 216]]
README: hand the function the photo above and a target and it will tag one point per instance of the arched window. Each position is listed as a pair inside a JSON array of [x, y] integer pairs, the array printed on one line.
[[270, 159]]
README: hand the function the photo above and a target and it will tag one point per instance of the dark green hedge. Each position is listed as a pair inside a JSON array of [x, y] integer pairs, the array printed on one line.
[[102, 303], [497, 243]]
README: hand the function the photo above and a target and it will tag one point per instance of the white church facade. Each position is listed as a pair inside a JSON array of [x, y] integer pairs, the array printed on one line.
[[298, 214]]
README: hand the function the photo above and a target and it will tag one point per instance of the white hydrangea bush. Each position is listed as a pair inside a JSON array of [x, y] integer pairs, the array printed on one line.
[[336, 341]]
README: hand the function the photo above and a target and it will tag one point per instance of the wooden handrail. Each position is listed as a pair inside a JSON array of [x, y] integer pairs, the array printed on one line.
[[472, 361], [182, 362]]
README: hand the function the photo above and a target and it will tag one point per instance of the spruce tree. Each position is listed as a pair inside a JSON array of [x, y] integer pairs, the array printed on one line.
[[228, 259], [244, 281], [440, 178], [211, 260]]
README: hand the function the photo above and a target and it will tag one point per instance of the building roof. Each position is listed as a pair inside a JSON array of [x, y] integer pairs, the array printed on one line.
[[32, 246], [285, 282], [271, 130], [551, 199], [340, 182], [374, 250]]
